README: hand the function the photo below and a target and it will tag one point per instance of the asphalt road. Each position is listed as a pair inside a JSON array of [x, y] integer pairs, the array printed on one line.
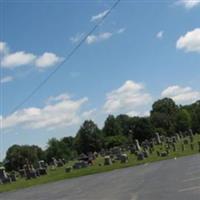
[[177, 179]]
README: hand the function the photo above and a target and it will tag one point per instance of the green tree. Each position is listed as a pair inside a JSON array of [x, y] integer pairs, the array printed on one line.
[[143, 129], [124, 122], [58, 149], [111, 126], [113, 141], [183, 120], [16, 156], [163, 115], [88, 138]]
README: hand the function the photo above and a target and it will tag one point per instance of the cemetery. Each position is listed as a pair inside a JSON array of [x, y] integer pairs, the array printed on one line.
[[156, 149]]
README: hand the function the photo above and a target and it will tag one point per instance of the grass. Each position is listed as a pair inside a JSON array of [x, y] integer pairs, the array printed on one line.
[[59, 173]]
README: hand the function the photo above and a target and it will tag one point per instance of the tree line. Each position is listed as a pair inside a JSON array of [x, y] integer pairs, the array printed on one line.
[[166, 118]]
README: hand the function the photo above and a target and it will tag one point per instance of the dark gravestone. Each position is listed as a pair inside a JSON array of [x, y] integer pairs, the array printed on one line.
[[124, 158], [68, 169], [185, 141], [13, 176], [80, 164], [158, 153], [107, 160], [60, 163], [146, 154], [4, 178], [140, 156], [163, 154]]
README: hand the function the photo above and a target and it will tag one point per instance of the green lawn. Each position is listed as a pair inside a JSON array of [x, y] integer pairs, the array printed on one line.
[[59, 173]]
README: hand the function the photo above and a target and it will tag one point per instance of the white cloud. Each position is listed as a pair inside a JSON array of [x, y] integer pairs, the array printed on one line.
[[77, 38], [98, 38], [131, 97], [3, 48], [181, 95], [62, 113], [190, 42], [89, 114], [17, 59], [160, 34], [99, 16], [61, 97], [188, 4], [21, 58], [47, 60], [121, 30], [6, 79]]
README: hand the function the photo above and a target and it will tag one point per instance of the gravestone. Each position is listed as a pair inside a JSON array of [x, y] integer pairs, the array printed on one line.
[[80, 164], [178, 137], [107, 160], [3, 176], [185, 141], [158, 140], [68, 169], [163, 154], [140, 156], [146, 153], [138, 148], [124, 158], [13, 176]]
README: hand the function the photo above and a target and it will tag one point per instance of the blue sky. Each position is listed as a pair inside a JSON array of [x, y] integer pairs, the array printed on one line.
[[143, 51]]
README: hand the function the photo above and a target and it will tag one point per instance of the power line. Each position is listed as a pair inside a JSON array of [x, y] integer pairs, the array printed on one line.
[[71, 53]]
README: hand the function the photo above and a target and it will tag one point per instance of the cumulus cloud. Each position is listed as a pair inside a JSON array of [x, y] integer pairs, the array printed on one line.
[[190, 42], [160, 34], [131, 97], [6, 79], [99, 16], [89, 114], [188, 4], [21, 58], [47, 60], [3, 47], [181, 95], [98, 38], [103, 36], [61, 113], [17, 59]]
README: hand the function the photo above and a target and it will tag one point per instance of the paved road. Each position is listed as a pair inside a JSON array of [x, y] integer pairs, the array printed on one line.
[[166, 180]]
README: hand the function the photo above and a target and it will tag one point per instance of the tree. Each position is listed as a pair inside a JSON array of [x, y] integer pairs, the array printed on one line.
[[58, 149], [113, 141], [163, 115], [124, 122], [16, 156], [183, 120], [111, 126], [143, 129], [194, 110], [88, 138]]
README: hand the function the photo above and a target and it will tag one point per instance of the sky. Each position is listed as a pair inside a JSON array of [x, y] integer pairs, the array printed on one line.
[[143, 51]]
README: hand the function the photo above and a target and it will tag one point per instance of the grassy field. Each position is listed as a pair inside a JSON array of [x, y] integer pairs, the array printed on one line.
[[59, 173]]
